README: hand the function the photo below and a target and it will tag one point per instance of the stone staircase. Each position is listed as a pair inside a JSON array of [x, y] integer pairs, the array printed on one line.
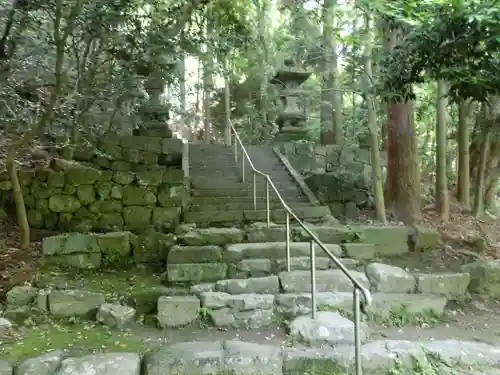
[[220, 198], [240, 275]]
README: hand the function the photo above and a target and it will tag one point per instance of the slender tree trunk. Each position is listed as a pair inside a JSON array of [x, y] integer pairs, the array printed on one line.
[[227, 104], [182, 96], [372, 126], [483, 159], [332, 131], [207, 83], [463, 175], [22, 217], [442, 201]]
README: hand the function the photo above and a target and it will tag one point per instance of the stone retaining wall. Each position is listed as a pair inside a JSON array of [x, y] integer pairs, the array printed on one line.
[[339, 176], [246, 358], [123, 188]]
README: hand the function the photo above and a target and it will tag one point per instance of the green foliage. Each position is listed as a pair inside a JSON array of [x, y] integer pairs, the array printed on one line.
[[455, 42]]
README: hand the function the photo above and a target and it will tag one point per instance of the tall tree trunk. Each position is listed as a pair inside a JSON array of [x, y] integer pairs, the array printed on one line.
[[442, 200], [372, 126], [182, 96], [331, 107], [463, 175], [263, 7], [207, 82], [405, 194], [227, 103], [483, 159]]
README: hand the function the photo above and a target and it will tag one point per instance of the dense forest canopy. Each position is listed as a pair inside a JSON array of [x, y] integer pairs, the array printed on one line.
[[418, 80]]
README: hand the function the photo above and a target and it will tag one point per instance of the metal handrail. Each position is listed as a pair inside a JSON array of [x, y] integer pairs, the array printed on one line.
[[357, 287]]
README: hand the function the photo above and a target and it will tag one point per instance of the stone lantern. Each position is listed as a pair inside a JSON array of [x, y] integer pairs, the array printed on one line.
[[154, 113], [291, 120]]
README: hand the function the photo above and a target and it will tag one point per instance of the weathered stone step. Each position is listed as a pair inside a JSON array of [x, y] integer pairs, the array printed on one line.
[[205, 263], [249, 311], [207, 218], [326, 281], [226, 183], [236, 205], [243, 192], [274, 250], [208, 201], [379, 357], [383, 304]]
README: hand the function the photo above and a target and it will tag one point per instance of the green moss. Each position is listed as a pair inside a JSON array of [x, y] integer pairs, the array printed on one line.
[[399, 317], [114, 284], [78, 338]]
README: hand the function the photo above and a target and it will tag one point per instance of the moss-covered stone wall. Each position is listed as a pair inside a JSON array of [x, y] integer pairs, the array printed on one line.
[[120, 185]]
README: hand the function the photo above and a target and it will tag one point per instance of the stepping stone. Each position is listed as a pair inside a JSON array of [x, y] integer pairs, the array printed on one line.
[[43, 365], [114, 315], [327, 327], [102, 364]]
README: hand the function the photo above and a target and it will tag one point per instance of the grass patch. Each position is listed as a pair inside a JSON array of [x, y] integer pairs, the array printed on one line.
[[205, 317], [401, 316], [75, 336]]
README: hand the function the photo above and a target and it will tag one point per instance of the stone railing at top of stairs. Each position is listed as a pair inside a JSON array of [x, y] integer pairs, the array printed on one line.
[[358, 287]]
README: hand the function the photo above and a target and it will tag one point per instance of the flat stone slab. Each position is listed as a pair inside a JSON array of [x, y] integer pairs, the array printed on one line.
[[239, 357], [326, 281], [234, 357], [46, 364], [326, 328], [275, 250], [390, 279], [194, 254], [264, 285], [102, 364], [446, 284], [177, 311], [296, 304], [211, 236]]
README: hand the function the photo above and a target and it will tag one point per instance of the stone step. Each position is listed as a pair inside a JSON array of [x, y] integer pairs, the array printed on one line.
[[233, 182], [247, 201], [386, 240], [379, 357], [243, 206], [274, 250], [215, 218], [326, 281], [206, 263], [383, 304], [244, 192]]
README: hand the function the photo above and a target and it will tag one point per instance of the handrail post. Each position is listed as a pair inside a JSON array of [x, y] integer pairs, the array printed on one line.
[[254, 190], [235, 149], [242, 165], [287, 241], [313, 280], [357, 333], [268, 213]]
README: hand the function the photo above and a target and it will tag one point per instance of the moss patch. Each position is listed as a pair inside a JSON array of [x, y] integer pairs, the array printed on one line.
[[114, 284], [76, 337]]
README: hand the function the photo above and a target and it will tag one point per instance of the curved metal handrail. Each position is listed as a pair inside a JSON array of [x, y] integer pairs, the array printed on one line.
[[358, 287], [338, 263]]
